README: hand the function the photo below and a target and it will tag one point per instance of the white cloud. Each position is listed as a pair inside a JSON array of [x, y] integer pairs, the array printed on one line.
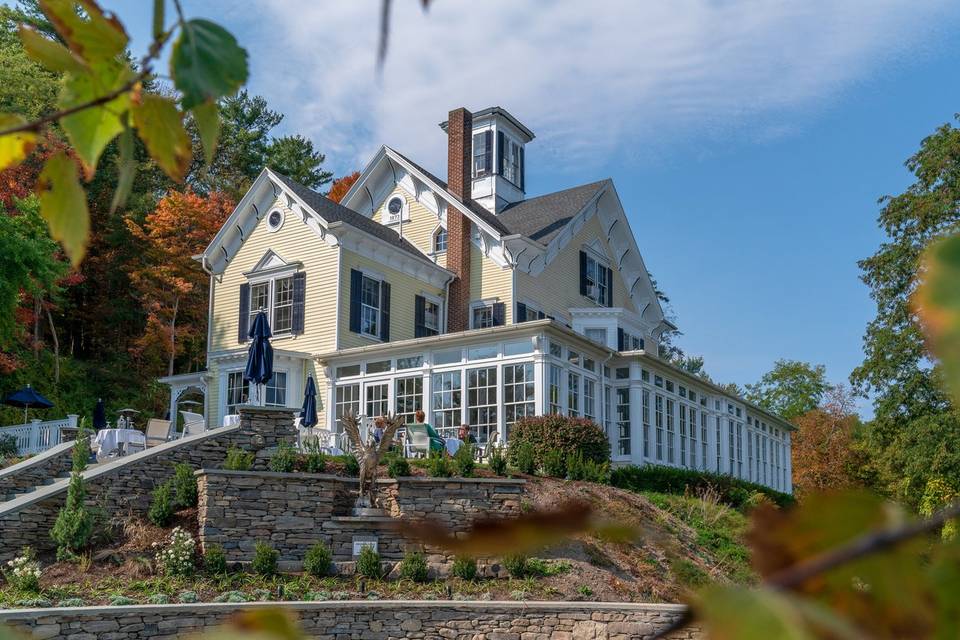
[[590, 78]]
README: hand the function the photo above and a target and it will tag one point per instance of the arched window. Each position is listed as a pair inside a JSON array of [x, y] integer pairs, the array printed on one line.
[[440, 240]]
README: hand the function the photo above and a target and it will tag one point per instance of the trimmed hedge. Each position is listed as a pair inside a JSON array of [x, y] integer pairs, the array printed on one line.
[[663, 479], [555, 432]]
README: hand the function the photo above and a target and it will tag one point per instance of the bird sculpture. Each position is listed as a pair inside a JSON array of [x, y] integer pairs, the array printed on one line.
[[369, 454]]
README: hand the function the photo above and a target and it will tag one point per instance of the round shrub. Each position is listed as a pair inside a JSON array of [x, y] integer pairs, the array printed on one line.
[[464, 461], [315, 462], [215, 559], [161, 508], [562, 433], [522, 456], [398, 467], [498, 461], [284, 459], [414, 567], [464, 567], [317, 560], [554, 464], [264, 559], [516, 565], [368, 563], [184, 485], [439, 466]]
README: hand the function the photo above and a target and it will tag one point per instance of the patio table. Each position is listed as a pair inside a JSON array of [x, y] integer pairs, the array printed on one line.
[[109, 440]]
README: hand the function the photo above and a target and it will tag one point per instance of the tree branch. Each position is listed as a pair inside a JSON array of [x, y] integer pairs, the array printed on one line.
[[865, 545]]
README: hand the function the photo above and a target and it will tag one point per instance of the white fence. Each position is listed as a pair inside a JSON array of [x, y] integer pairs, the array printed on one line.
[[37, 436]]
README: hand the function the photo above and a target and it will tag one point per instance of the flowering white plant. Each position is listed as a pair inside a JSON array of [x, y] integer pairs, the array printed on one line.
[[23, 572], [178, 557]]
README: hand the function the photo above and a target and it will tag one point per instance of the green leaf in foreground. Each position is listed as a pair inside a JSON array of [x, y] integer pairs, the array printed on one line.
[[937, 303], [51, 54], [14, 147], [89, 32], [207, 117], [207, 63], [64, 205], [160, 125], [126, 170], [739, 613]]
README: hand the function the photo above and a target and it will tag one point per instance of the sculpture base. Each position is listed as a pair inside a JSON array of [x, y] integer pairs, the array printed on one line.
[[368, 512]]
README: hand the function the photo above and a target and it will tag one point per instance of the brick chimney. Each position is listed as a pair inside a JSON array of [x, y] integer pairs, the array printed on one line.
[[459, 157]]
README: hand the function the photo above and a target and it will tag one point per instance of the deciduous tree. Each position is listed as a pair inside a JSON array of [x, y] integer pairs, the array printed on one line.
[[790, 389], [341, 185]]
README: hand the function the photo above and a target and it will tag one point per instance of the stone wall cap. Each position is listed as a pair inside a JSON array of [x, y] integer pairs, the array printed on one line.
[[328, 476], [37, 459], [339, 605], [429, 480], [252, 408]]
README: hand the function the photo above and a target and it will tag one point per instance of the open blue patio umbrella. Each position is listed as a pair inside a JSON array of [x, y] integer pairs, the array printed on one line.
[[27, 398], [308, 413], [259, 368], [100, 415]]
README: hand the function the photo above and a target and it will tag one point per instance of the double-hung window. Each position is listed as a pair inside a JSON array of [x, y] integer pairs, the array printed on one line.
[[276, 390], [440, 240], [658, 421], [573, 394], [518, 392], [447, 399], [482, 401], [236, 391], [683, 434], [554, 390], [670, 431], [482, 316], [408, 397], [482, 153], [597, 279], [370, 299], [275, 297], [589, 398], [646, 423], [347, 401], [623, 421], [377, 404]]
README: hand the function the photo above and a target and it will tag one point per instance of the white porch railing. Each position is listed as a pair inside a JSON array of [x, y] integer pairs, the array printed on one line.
[[37, 435]]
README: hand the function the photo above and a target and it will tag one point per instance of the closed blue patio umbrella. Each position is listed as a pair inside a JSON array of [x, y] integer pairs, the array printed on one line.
[[100, 415], [27, 398], [259, 368], [308, 413]]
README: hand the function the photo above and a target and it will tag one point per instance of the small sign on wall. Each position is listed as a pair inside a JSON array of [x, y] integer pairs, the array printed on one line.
[[359, 542]]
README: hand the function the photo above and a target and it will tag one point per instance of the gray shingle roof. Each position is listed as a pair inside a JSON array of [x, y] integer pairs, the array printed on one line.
[[335, 212], [541, 218]]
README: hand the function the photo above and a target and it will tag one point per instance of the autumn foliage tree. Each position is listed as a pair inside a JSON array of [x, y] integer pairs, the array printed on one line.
[[826, 453], [171, 285], [341, 185]]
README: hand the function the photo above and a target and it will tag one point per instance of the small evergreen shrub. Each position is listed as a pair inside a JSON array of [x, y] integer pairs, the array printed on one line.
[[284, 459], [576, 469], [215, 559], [8, 446], [498, 461], [566, 434], [351, 466], [464, 568], [398, 467], [314, 461], [184, 486], [318, 559], [464, 461], [161, 506], [439, 465], [81, 451], [264, 559], [516, 565], [414, 567], [522, 457], [733, 492], [74, 525], [554, 464], [368, 563], [238, 459]]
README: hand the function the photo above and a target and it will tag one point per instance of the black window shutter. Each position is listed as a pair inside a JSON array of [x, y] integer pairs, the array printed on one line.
[[299, 301], [541, 315], [356, 290], [641, 344], [499, 314], [620, 339], [385, 311], [243, 323], [419, 316], [488, 150], [521, 313], [500, 153], [610, 287], [583, 273], [523, 172]]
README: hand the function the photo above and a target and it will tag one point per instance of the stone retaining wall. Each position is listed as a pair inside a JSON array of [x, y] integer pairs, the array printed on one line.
[[123, 487], [292, 511], [36, 470], [368, 620]]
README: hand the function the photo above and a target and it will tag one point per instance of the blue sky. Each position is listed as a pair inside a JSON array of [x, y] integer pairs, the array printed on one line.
[[749, 141]]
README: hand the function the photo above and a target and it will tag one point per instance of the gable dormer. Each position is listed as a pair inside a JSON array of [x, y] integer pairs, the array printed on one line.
[[498, 172]]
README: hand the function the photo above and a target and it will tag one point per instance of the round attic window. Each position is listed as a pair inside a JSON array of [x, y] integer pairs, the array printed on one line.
[[275, 220], [395, 207]]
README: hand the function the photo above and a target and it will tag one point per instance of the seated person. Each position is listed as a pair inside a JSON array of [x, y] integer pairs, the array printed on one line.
[[436, 442], [466, 435]]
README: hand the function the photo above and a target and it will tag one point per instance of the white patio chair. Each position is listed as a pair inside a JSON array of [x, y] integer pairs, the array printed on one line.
[[193, 428], [417, 442]]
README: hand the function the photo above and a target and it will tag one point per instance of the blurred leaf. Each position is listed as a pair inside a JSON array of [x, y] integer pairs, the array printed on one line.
[[126, 170], [160, 125], [91, 130], [159, 6], [495, 537], [258, 624], [14, 147], [937, 303], [52, 55], [207, 117], [945, 580], [207, 63], [739, 613], [88, 31], [64, 205]]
